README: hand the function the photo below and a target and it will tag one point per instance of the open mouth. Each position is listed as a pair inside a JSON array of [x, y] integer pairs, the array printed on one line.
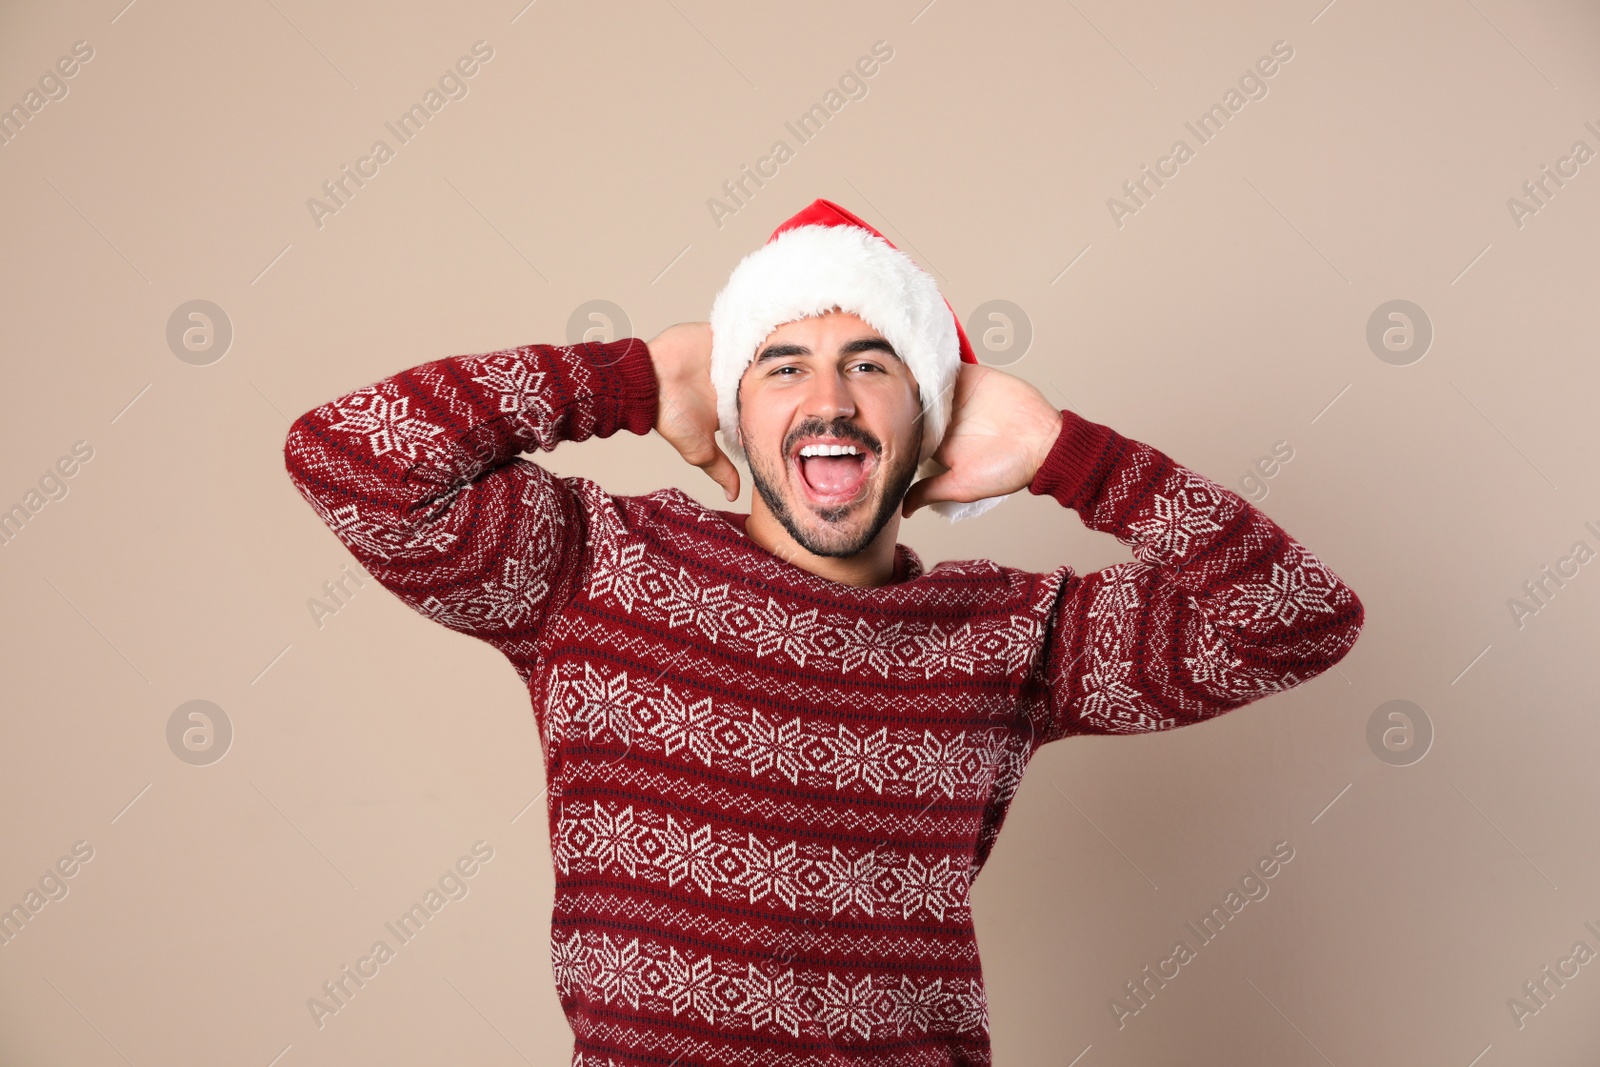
[[833, 473]]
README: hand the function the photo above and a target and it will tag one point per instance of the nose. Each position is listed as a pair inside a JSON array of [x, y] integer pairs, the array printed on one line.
[[829, 397]]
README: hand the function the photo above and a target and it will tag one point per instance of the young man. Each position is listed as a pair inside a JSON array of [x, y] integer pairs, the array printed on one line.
[[779, 751]]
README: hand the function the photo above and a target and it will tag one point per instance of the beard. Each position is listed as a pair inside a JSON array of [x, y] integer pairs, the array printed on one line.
[[835, 538]]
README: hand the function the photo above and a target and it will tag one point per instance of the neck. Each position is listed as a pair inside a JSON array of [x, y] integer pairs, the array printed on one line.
[[872, 566]]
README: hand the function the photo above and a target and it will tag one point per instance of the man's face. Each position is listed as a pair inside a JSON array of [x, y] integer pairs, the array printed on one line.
[[830, 380]]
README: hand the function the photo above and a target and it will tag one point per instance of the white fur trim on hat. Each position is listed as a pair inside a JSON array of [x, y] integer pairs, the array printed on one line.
[[809, 270]]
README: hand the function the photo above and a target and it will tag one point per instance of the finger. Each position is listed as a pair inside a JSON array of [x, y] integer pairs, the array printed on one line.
[[724, 473], [718, 467], [917, 496]]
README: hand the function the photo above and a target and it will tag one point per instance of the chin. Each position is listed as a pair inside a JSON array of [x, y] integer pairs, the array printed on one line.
[[837, 530], [837, 525]]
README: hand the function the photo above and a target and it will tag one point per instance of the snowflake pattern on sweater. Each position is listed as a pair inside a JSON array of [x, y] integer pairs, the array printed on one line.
[[770, 793]]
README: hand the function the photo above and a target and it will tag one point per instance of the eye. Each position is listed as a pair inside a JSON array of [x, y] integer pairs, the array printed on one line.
[[869, 363]]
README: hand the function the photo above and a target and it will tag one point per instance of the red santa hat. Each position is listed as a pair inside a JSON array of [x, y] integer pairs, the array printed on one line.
[[822, 258]]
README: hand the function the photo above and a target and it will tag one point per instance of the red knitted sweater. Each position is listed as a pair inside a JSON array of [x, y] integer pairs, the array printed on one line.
[[769, 793]]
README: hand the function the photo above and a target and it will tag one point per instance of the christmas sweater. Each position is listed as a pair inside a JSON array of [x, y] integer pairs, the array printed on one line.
[[769, 793]]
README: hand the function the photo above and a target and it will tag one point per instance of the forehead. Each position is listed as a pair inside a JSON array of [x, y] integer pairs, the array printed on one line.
[[834, 323], [823, 335]]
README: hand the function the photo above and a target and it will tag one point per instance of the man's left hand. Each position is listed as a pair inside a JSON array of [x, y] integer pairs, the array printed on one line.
[[1001, 429]]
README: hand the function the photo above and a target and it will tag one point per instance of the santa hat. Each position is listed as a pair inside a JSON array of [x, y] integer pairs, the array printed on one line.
[[822, 258]]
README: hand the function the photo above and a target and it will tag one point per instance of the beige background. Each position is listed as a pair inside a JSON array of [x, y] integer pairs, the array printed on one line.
[[1225, 316]]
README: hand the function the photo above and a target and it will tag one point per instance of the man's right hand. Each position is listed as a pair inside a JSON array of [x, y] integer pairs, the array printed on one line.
[[686, 413]]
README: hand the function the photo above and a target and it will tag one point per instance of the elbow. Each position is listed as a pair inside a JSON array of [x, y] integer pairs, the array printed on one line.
[[299, 445], [1329, 622], [1350, 617], [1315, 644], [302, 452], [1328, 639], [1358, 619]]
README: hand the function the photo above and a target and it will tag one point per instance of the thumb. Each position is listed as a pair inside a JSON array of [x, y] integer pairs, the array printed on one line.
[[927, 491], [722, 471]]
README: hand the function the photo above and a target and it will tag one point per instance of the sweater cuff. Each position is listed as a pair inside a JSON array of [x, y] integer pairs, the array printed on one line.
[[1078, 463], [629, 374]]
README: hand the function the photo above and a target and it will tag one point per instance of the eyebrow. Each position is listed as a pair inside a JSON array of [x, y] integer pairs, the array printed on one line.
[[860, 344]]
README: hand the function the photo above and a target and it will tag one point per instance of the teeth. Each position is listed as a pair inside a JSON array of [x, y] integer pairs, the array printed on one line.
[[830, 450]]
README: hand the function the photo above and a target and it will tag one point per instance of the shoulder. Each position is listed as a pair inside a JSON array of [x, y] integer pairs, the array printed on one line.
[[987, 570], [1020, 590], [606, 511], [614, 522]]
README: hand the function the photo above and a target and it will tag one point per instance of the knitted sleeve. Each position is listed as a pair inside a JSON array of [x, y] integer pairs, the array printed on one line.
[[419, 476], [1220, 606]]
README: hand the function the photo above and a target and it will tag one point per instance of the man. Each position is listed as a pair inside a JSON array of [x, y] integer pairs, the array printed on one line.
[[778, 751]]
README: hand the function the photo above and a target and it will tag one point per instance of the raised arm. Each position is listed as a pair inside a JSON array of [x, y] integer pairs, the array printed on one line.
[[1219, 608], [419, 476]]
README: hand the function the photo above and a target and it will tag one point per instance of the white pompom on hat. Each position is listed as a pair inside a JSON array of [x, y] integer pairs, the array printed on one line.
[[825, 258]]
